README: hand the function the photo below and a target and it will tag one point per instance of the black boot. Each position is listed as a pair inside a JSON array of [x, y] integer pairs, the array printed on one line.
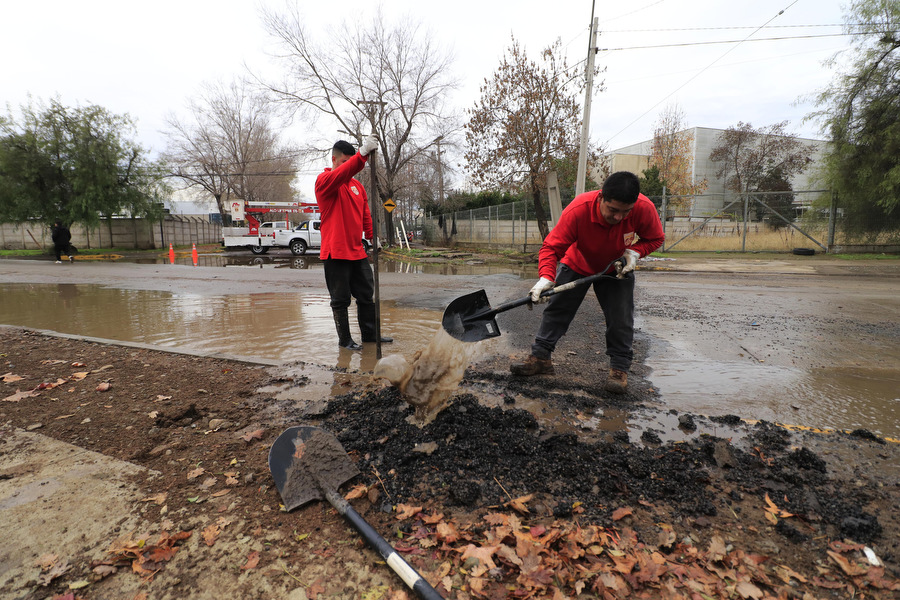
[[342, 324], [365, 313]]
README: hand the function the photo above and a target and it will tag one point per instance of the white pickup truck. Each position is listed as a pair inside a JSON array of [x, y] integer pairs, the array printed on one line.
[[303, 237]]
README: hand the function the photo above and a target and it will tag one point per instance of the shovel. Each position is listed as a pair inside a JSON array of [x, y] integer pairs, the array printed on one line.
[[470, 318], [308, 463]]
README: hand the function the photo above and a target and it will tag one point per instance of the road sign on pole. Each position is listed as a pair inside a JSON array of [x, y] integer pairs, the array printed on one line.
[[389, 205]]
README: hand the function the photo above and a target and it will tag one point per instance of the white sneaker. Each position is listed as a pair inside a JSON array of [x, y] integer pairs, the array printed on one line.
[[59, 262]]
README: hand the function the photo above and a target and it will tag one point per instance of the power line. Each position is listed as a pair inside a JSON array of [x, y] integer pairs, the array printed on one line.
[[775, 39], [781, 12]]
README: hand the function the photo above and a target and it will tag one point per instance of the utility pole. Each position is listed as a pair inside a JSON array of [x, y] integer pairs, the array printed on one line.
[[586, 119], [375, 208]]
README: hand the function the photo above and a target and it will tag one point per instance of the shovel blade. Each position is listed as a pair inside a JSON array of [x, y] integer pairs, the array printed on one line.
[[470, 318], [307, 461]]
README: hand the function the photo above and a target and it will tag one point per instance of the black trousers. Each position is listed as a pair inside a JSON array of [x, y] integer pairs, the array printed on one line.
[[348, 279], [616, 297]]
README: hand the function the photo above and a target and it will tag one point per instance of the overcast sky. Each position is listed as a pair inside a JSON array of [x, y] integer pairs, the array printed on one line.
[[148, 58]]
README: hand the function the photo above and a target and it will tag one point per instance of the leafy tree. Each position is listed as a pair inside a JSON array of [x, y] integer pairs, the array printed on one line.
[[782, 204], [528, 116], [396, 69], [862, 115], [567, 172], [231, 147], [746, 156], [652, 185], [74, 165], [672, 153]]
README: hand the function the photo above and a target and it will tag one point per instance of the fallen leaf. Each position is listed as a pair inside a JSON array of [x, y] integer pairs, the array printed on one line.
[[10, 378], [484, 554], [51, 361], [220, 493], [518, 504], [748, 590], [211, 534], [208, 483], [103, 386], [65, 416], [357, 491], [252, 561], [195, 473], [158, 499], [432, 519], [253, 435], [845, 565], [78, 364], [153, 414], [406, 511], [79, 376], [50, 386], [104, 570], [19, 395], [160, 398], [716, 550], [621, 513]]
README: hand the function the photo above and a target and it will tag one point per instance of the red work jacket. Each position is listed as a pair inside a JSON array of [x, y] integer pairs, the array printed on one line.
[[587, 243], [345, 211]]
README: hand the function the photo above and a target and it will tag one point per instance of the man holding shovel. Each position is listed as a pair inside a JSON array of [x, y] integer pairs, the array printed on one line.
[[599, 232], [345, 215]]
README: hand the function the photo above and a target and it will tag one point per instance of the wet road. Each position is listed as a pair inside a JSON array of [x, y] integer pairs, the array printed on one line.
[[791, 342]]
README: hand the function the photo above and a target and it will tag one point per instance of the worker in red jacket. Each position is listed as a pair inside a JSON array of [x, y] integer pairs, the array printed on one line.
[[616, 224], [345, 217]]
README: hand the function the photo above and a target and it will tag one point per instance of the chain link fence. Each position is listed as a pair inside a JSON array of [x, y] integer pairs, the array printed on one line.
[[754, 222]]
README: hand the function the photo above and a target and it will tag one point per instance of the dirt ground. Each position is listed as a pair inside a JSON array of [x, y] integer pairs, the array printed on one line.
[[127, 472]]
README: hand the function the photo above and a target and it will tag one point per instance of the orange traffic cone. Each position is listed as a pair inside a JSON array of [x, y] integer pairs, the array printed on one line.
[[171, 255], [194, 253]]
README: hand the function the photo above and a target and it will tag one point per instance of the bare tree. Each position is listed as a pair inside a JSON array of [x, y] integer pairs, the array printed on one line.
[[528, 117], [230, 147], [748, 156], [359, 67], [672, 153]]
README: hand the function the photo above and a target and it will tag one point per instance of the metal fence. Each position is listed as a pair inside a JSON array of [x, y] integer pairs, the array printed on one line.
[[752, 222]]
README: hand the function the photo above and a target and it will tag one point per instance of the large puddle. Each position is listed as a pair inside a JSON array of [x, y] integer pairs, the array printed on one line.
[[298, 328]]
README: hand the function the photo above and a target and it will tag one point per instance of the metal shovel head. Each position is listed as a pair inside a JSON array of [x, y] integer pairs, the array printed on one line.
[[306, 461], [470, 318]]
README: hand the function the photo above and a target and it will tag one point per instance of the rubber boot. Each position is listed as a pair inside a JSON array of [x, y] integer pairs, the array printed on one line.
[[365, 313], [342, 324]]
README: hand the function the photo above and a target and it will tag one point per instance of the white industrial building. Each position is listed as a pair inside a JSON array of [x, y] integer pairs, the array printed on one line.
[[636, 158]]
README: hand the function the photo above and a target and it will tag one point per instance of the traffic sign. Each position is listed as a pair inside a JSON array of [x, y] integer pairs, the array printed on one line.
[[389, 205]]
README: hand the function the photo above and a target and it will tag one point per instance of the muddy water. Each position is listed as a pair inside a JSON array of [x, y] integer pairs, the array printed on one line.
[[277, 326]]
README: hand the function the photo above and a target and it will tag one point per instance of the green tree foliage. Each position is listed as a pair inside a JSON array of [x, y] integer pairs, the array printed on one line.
[[862, 115], [782, 204], [652, 185], [75, 165], [528, 116]]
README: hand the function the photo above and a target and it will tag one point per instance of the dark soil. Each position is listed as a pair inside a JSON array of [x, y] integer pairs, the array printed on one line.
[[176, 414]]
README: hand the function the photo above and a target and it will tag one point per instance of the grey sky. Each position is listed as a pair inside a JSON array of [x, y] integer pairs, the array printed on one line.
[[147, 59]]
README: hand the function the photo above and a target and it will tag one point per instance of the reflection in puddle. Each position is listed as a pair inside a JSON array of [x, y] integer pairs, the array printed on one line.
[[843, 398], [283, 259], [275, 326]]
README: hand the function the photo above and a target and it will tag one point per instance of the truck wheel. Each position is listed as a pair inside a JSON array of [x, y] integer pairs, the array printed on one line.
[[259, 249], [298, 247]]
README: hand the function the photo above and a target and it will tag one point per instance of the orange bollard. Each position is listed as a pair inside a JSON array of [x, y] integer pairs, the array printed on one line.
[[171, 255], [194, 253]]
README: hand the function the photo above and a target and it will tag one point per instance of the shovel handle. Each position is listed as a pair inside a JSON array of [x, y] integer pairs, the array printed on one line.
[[409, 575], [557, 290]]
